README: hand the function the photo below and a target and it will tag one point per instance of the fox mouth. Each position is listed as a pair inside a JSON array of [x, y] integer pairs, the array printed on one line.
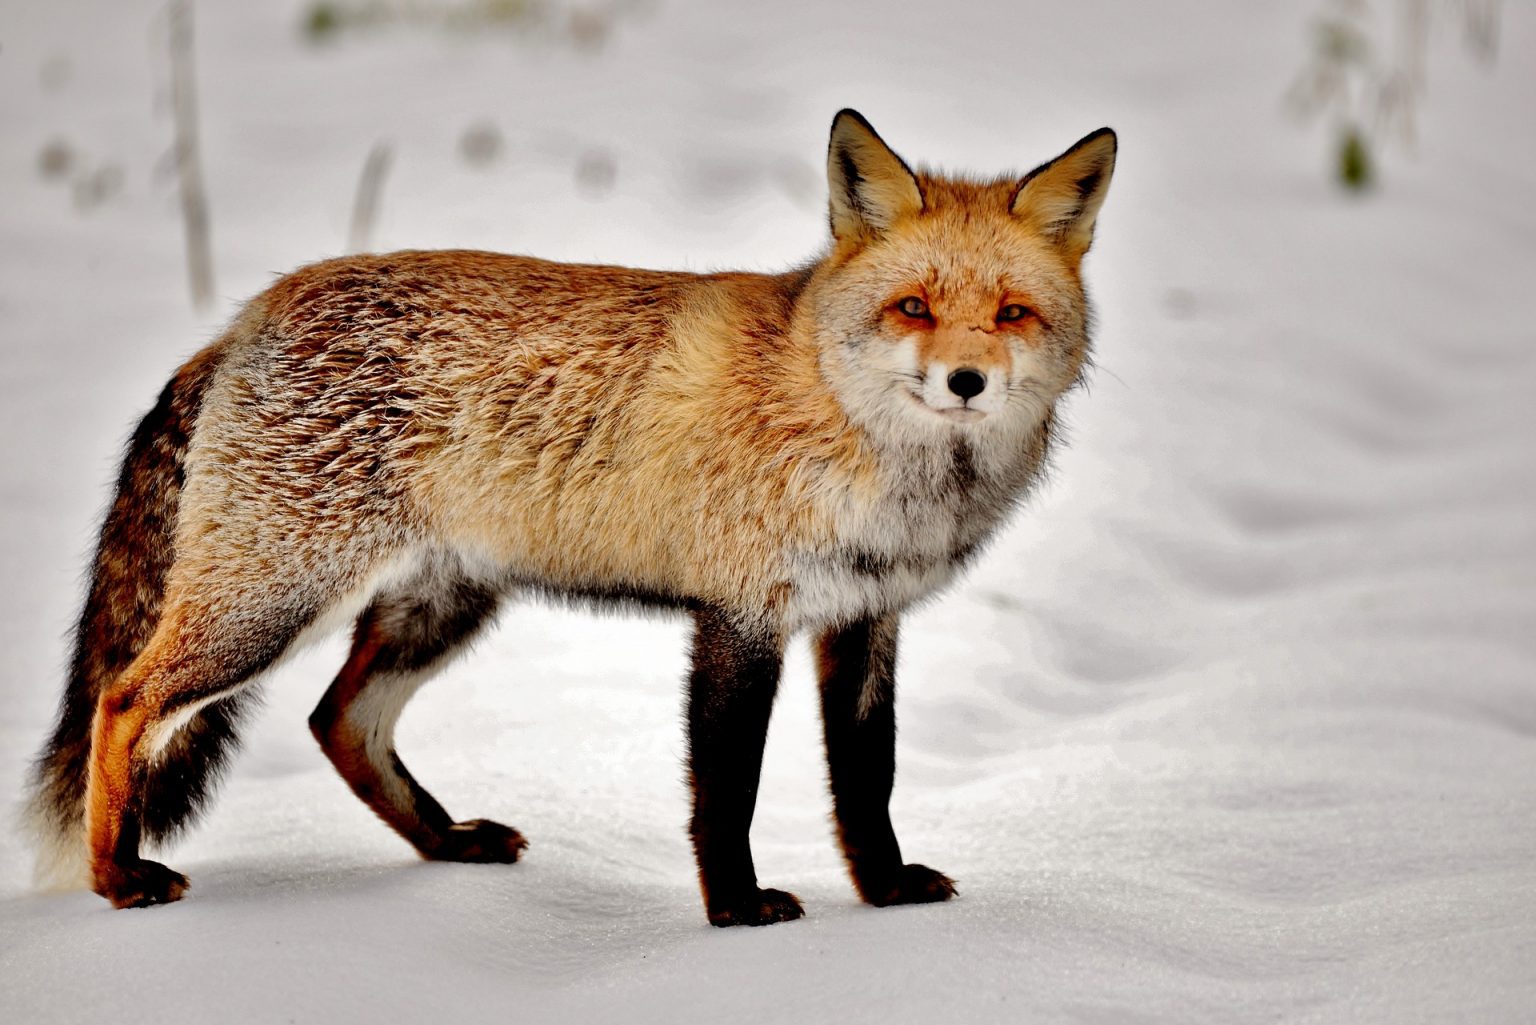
[[962, 415], [954, 414]]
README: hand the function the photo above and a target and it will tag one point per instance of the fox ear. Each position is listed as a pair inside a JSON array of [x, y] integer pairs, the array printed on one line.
[[870, 185], [1061, 199]]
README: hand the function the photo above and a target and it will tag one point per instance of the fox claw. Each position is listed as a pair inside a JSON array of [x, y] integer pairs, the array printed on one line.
[[914, 884], [141, 884], [481, 841], [761, 907]]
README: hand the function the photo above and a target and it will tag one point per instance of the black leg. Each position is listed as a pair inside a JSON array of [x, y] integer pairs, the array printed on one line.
[[730, 696], [857, 667]]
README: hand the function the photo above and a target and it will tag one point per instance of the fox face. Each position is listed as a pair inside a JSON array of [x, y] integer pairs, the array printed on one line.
[[952, 305]]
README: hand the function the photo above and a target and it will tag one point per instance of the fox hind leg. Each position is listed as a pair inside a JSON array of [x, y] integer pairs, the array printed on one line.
[[401, 640], [201, 653]]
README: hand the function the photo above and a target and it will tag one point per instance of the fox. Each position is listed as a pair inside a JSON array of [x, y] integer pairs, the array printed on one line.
[[402, 442]]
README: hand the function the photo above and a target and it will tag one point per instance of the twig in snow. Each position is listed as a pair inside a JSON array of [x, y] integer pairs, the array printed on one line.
[[189, 171], [365, 205]]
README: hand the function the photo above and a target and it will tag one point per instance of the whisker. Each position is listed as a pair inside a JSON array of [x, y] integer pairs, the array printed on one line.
[[1091, 366]]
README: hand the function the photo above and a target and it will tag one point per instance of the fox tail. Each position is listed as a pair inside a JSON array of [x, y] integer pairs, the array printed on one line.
[[121, 611]]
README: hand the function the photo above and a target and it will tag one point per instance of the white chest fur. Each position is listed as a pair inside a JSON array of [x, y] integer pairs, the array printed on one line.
[[937, 503]]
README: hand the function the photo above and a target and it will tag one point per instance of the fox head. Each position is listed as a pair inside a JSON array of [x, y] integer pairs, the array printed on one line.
[[950, 304]]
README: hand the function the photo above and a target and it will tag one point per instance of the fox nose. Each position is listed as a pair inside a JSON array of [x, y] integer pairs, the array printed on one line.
[[967, 383]]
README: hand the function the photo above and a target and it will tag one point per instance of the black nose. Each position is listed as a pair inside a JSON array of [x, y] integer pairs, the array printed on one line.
[[967, 383]]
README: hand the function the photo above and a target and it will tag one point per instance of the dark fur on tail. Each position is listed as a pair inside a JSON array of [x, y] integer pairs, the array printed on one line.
[[121, 610]]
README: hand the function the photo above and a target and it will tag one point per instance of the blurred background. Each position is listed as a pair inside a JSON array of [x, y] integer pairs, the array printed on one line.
[[1236, 720], [645, 129]]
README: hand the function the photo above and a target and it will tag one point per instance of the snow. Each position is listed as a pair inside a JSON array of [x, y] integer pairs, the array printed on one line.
[[1237, 722]]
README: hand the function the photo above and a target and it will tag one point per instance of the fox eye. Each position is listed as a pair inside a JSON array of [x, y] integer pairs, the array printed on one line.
[[1013, 311], [913, 307]]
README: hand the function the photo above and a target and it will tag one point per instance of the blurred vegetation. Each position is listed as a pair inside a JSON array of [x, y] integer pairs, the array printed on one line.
[[1368, 89], [1355, 169], [585, 26], [90, 182], [481, 143], [326, 19]]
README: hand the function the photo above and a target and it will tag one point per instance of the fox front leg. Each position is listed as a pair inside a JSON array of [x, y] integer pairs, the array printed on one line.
[[857, 669], [730, 695]]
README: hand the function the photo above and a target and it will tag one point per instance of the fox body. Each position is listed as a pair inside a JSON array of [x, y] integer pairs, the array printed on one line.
[[403, 440]]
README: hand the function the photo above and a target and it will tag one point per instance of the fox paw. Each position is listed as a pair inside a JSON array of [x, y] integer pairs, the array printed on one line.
[[480, 840], [759, 907], [139, 884], [914, 884]]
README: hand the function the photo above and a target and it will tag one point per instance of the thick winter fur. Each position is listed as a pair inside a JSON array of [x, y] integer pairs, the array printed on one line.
[[404, 439], [122, 607]]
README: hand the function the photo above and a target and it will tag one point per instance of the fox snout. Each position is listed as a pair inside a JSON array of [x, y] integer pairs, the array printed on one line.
[[960, 361], [966, 390]]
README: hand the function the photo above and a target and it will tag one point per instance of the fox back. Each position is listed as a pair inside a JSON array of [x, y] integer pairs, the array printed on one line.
[[401, 440]]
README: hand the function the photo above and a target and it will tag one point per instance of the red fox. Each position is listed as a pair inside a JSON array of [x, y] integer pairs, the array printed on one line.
[[403, 440]]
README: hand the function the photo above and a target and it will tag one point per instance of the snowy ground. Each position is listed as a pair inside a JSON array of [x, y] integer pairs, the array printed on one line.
[[1237, 723]]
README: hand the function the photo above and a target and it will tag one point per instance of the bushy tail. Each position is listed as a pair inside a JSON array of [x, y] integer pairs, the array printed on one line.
[[121, 610]]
